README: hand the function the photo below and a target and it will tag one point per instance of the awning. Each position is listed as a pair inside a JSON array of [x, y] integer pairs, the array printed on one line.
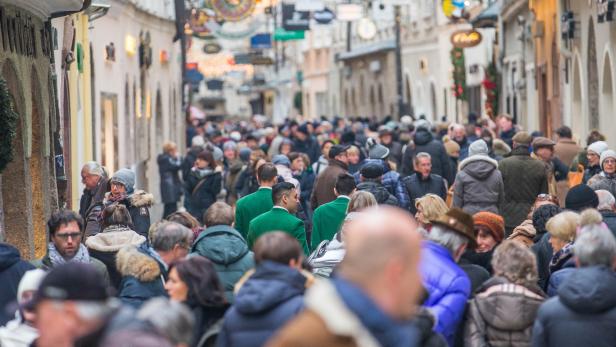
[[488, 18], [363, 51]]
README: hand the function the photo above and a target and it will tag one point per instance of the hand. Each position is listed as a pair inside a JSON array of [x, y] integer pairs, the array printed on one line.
[[218, 169]]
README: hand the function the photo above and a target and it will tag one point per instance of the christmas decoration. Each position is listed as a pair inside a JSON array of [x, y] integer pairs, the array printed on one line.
[[8, 125], [490, 85], [459, 73], [233, 10]]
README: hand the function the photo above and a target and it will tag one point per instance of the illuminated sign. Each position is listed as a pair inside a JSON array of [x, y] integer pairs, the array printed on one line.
[[466, 38], [130, 45]]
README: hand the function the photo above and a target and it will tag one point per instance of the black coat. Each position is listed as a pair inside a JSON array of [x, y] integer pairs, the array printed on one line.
[[12, 269], [382, 195], [583, 313], [310, 146], [543, 252], [416, 187], [395, 152], [423, 141], [91, 206], [202, 195], [170, 184], [138, 205], [247, 183]]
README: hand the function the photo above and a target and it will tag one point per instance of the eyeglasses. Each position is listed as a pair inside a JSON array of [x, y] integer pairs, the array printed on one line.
[[67, 235], [609, 161]]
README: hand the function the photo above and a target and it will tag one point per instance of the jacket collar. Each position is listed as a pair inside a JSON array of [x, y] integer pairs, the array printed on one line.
[[334, 162], [437, 248], [521, 150], [476, 158]]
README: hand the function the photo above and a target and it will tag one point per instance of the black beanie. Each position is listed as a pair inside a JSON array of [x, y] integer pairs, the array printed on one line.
[[581, 197], [542, 214]]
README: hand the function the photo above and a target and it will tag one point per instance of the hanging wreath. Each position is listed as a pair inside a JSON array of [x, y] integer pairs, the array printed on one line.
[[8, 125], [459, 73], [490, 85]]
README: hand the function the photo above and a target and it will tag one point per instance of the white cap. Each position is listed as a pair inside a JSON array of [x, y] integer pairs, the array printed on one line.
[[598, 147], [30, 281]]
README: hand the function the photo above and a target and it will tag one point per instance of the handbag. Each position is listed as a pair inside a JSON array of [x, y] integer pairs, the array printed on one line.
[[576, 177]]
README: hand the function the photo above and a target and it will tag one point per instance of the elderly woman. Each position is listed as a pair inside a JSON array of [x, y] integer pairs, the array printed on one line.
[[562, 229], [606, 179], [169, 165], [504, 308], [429, 207]]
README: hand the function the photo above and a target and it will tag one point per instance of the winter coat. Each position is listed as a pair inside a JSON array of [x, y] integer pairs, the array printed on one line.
[[479, 186], [395, 152], [324, 185], [12, 268], [448, 287], [232, 175], [583, 313], [423, 141], [45, 263], [326, 256], [382, 195], [558, 277], [609, 218], [566, 150], [247, 183], [524, 179], [603, 181], [306, 182], [105, 246], [208, 321], [524, 233], [189, 161], [416, 187], [327, 220], [138, 205], [170, 184], [320, 165], [271, 297], [203, 191], [391, 180], [543, 252], [502, 314], [590, 172], [464, 145], [91, 205], [227, 249], [251, 206], [17, 333], [280, 219], [141, 277], [476, 274], [310, 146]]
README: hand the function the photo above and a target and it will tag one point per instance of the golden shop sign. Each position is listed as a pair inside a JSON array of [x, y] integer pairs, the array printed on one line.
[[465, 38]]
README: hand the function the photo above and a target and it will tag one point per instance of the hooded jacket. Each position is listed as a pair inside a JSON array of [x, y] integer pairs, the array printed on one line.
[[202, 195], [423, 141], [268, 299], [227, 249], [583, 313], [141, 277], [502, 314], [138, 205], [12, 268], [381, 193], [479, 185]]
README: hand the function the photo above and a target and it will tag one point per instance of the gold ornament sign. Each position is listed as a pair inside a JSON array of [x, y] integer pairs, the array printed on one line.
[[233, 10], [466, 38]]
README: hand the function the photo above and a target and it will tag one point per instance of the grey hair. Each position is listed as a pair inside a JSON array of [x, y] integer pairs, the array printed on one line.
[[170, 234], [219, 214], [171, 319], [596, 245], [447, 238], [422, 155], [606, 200], [94, 168]]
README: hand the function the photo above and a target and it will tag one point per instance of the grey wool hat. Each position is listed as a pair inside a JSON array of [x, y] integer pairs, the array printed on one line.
[[125, 177], [478, 147], [378, 151]]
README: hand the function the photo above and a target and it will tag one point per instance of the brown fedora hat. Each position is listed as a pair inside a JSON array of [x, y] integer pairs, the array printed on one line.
[[459, 221]]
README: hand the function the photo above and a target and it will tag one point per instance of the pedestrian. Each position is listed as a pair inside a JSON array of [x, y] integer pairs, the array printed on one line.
[[524, 179], [117, 233], [459, 136], [224, 247], [170, 242], [138, 202], [280, 217], [371, 175], [507, 129], [503, 311], [328, 217], [194, 282], [20, 332], [429, 207], [204, 184], [490, 230], [326, 181], [371, 301], [593, 156], [424, 141], [453, 151], [584, 311], [279, 284], [169, 165], [386, 138], [447, 284], [304, 142], [355, 162], [94, 178], [607, 208], [12, 269], [557, 171], [233, 165], [247, 182], [479, 184], [562, 229], [606, 179], [302, 172], [566, 149], [65, 230], [423, 181], [186, 219], [142, 278], [360, 201], [321, 164], [251, 206]]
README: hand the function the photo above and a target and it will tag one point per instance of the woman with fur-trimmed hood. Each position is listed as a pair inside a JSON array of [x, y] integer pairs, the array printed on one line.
[[141, 276], [138, 202], [479, 184]]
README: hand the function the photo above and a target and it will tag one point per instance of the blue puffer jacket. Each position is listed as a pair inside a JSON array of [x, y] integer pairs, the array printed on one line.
[[448, 287], [12, 268], [270, 297]]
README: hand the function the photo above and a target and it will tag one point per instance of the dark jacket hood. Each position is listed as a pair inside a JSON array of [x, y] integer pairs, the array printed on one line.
[[270, 285], [221, 244], [479, 167], [589, 290], [423, 136], [380, 193], [9, 255]]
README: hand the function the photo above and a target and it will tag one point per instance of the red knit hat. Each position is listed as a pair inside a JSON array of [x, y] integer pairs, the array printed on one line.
[[492, 221]]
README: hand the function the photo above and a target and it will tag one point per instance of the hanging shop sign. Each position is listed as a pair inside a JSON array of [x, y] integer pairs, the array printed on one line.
[[326, 16], [212, 48], [261, 60], [234, 30], [293, 20], [233, 10], [605, 10], [366, 29], [214, 84], [198, 23], [282, 35], [349, 12], [466, 38], [261, 41]]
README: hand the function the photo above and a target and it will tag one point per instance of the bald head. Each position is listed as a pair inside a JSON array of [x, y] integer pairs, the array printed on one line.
[[382, 257]]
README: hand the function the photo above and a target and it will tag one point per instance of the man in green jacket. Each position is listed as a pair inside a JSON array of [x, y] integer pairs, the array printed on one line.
[[257, 203], [281, 217], [328, 217]]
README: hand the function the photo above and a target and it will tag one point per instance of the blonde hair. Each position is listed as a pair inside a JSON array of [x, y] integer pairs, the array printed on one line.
[[168, 146], [563, 226], [360, 200], [432, 207], [353, 149]]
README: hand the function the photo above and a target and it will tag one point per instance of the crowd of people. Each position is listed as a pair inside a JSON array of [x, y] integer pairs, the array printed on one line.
[[333, 233]]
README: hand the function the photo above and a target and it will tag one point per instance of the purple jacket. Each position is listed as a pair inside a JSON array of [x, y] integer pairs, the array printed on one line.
[[448, 288]]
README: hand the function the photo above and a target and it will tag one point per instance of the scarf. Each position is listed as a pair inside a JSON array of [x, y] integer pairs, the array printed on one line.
[[56, 258], [561, 257], [200, 173], [113, 198]]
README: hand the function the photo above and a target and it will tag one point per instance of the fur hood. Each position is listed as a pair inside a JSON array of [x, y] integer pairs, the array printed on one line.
[[113, 241], [477, 158], [140, 198], [131, 262]]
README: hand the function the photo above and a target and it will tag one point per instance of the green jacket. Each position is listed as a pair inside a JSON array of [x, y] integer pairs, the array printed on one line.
[[226, 248], [277, 219], [251, 206], [44, 263], [327, 220]]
